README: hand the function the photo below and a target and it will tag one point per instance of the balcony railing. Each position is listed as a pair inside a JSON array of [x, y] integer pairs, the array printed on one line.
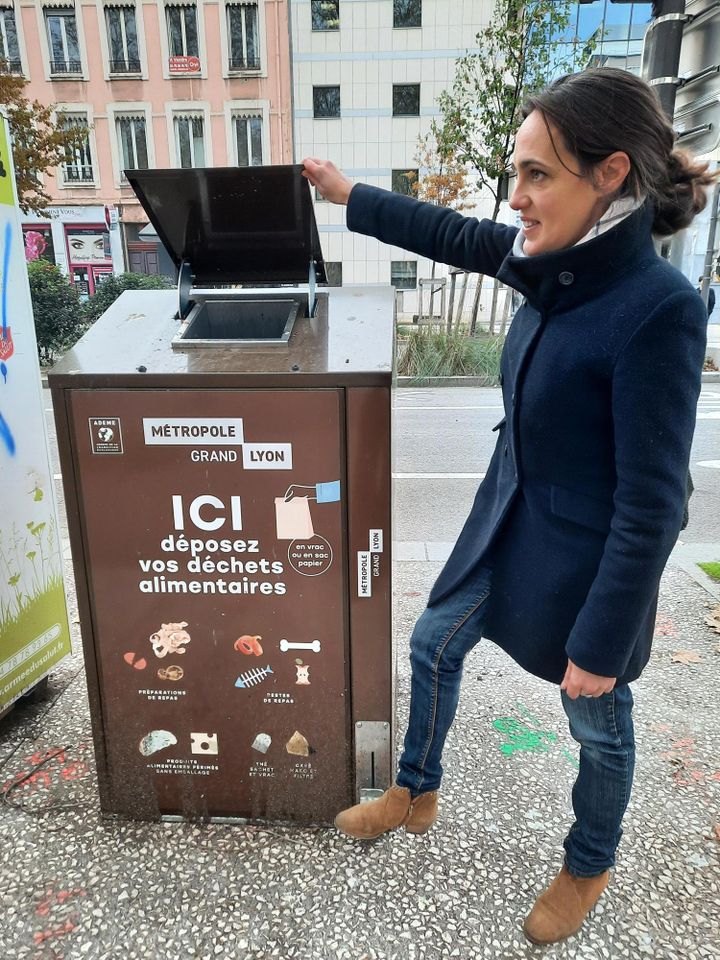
[[10, 66], [78, 173], [125, 66], [244, 63], [65, 66]]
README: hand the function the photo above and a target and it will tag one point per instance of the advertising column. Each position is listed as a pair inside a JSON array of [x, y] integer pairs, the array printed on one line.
[[34, 632]]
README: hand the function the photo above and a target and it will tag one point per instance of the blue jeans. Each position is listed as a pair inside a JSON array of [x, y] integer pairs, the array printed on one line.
[[601, 725]]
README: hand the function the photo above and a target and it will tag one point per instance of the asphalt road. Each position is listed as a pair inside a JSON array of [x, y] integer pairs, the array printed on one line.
[[444, 440]]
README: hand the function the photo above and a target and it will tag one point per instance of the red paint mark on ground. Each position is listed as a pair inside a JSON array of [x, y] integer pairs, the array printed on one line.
[[56, 768], [412, 593], [53, 933], [61, 920]]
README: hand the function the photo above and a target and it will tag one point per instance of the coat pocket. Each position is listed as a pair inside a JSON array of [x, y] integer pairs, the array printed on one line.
[[498, 425], [581, 509]]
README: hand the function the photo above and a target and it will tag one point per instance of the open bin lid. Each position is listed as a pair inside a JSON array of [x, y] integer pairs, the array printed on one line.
[[234, 224]]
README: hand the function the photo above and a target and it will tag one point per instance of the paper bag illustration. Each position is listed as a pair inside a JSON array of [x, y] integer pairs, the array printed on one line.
[[292, 518]]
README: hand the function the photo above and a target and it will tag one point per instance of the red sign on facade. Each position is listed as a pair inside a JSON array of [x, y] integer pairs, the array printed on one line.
[[184, 65]]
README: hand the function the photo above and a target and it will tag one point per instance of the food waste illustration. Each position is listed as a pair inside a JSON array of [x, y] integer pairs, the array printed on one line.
[[208, 544]]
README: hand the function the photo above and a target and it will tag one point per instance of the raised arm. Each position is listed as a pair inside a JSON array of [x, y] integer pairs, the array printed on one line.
[[423, 228]]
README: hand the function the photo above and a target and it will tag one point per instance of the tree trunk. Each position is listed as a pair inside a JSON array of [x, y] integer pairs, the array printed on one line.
[[506, 311], [493, 305], [476, 305], [432, 293], [453, 281], [463, 291]]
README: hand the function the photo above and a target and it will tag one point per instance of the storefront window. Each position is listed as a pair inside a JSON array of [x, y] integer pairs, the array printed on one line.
[[38, 242], [89, 257], [88, 245]]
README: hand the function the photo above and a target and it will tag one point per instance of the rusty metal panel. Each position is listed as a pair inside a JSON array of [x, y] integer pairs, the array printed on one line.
[[212, 529], [369, 531]]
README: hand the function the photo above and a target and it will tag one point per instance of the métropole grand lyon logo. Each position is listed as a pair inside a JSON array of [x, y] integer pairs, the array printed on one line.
[[105, 435]]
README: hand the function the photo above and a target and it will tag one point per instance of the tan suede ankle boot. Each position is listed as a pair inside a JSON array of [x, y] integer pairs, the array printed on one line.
[[395, 808], [560, 911]]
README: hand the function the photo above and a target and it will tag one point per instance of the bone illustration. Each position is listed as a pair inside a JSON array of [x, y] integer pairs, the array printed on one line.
[[285, 645], [252, 677]]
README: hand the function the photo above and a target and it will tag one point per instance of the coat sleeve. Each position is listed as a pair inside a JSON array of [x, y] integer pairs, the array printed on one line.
[[430, 231], [656, 383]]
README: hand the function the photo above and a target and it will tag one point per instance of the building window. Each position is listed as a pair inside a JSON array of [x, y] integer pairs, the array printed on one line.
[[325, 14], [333, 272], [248, 139], [244, 36], [9, 48], [132, 141], [63, 40], [407, 13], [122, 39], [318, 196], [406, 99], [403, 274], [78, 166], [182, 31], [190, 140], [402, 181], [326, 102]]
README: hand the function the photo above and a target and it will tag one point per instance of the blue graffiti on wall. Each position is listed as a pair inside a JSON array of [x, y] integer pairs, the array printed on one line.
[[5, 432]]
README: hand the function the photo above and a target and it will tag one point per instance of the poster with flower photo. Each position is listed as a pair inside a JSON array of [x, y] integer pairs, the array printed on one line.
[[34, 631]]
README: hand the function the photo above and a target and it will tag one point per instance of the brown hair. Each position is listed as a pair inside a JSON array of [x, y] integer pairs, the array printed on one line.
[[602, 110]]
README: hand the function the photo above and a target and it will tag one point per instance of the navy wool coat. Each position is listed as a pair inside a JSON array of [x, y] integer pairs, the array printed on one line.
[[584, 495]]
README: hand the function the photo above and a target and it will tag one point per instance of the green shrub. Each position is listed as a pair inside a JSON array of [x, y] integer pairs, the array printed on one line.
[[450, 355], [110, 289], [57, 310]]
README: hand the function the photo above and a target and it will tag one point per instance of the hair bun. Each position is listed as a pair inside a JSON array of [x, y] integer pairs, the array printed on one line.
[[682, 195]]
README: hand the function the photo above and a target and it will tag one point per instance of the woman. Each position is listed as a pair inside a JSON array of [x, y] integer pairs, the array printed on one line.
[[560, 559]]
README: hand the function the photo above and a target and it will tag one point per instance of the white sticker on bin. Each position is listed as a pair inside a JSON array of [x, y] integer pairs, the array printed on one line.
[[198, 431], [376, 541], [364, 574], [267, 456]]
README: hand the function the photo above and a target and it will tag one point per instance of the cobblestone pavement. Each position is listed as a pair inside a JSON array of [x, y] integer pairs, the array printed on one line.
[[77, 886]]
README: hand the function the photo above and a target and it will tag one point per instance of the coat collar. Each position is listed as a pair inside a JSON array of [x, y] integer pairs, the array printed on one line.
[[568, 277]]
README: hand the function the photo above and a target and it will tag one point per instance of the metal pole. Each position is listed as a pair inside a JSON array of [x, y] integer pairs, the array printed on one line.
[[660, 68], [710, 251]]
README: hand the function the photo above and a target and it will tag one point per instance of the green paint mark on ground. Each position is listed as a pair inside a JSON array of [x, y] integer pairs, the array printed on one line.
[[521, 735]]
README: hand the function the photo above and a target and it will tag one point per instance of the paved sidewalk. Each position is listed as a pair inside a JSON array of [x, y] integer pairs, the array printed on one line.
[[75, 886]]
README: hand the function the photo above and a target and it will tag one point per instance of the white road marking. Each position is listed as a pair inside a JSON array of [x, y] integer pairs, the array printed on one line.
[[438, 476], [710, 415], [494, 407], [713, 464]]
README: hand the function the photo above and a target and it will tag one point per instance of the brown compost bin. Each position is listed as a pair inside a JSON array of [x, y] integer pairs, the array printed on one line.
[[226, 463]]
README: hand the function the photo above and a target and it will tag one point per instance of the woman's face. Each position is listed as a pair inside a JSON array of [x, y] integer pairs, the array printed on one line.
[[556, 206]]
